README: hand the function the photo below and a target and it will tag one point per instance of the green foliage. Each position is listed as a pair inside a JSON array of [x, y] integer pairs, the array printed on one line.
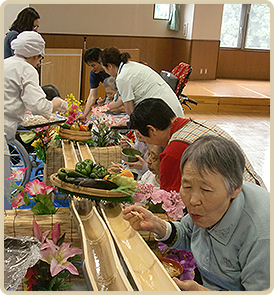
[[43, 205], [104, 135]]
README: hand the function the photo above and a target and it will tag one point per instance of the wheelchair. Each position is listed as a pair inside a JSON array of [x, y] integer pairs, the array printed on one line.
[[177, 80]]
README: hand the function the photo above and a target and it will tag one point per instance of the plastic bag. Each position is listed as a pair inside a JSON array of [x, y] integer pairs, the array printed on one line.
[[20, 253]]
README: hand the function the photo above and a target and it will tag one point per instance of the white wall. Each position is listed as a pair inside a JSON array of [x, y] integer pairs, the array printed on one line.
[[10, 13], [102, 19], [207, 21], [203, 20], [187, 19]]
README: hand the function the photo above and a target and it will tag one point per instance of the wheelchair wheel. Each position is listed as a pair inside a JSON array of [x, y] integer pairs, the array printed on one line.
[[19, 158], [39, 173]]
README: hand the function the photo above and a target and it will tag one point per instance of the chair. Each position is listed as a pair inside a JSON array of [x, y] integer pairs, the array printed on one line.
[[177, 80], [171, 80], [182, 71]]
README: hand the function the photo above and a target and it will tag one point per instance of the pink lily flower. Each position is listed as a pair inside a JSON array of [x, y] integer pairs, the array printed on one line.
[[55, 234], [36, 187], [18, 201], [57, 257], [38, 233], [17, 174]]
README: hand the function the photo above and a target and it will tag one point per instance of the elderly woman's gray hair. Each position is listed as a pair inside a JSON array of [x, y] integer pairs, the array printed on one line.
[[216, 154], [110, 82]]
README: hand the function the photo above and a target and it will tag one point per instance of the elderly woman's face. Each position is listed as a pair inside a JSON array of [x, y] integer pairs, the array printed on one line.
[[110, 92], [153, 161], [205, 196]]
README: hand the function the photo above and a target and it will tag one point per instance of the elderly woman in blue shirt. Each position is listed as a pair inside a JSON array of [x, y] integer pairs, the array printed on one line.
[[227, 227]]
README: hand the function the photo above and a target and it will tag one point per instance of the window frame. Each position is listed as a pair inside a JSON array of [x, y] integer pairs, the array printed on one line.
[[242, 34], [165, 19]]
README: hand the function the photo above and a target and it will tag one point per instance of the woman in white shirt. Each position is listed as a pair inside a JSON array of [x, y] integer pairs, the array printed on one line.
[[136, 82], [22, 91]]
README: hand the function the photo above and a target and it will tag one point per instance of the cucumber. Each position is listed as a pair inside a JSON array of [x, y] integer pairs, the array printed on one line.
[[75, 174]]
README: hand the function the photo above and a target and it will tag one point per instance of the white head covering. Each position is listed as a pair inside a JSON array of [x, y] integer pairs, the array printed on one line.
[[28, 43]]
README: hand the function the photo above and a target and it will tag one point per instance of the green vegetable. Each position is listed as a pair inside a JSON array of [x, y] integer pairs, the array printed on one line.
[[92, 175], [100, 171], [84, 168], [72, 173], [66, 126], [89, 161], [62, 175]]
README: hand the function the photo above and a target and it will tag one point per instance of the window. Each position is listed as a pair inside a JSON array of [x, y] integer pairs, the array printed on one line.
[[162, 11], [246, 26]]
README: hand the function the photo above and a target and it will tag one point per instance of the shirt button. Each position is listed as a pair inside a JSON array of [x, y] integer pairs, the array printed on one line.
[[206, 259]]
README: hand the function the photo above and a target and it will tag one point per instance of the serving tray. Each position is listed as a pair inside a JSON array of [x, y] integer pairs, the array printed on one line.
[[80, 190], [74, 135], [57, 119]]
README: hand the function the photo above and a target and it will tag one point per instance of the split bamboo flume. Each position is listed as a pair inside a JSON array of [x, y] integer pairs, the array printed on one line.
[[131, 265]]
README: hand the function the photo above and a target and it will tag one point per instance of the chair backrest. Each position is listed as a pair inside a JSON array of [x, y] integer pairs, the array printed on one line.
[[182, 72], [171, 80]]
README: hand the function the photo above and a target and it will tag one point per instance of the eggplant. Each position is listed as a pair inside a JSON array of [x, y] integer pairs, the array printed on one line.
[[97, 183], [75, 180]]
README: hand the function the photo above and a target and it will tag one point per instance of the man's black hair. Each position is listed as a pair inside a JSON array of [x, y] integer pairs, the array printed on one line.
[[92, 54], [151, 111]]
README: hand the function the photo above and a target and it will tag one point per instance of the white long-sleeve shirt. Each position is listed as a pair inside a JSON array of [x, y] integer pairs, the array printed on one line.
[[22, 92], [137, 82]]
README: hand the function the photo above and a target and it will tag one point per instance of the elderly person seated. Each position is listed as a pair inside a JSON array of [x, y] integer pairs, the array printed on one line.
[[228, 225], [152, 175], [111, 93]]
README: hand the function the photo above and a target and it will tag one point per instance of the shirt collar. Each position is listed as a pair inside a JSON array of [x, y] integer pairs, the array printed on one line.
[[224, 229], [120, 68], [177, 124]]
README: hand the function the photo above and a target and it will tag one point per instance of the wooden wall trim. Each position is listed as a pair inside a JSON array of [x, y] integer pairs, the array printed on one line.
[[164, 53], [243, 64]]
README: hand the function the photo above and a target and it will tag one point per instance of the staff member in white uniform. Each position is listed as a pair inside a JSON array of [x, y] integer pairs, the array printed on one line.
[[136, 82], [22, 91]]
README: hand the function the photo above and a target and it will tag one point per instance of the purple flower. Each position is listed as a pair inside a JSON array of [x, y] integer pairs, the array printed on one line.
[[184, 257]]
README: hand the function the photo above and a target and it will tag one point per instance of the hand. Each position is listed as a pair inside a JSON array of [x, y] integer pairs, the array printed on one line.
[[124, 142], [137, 165], [116, 167], [63, 107], [101, 101], [81, 118], [189, 285], [142, 219]]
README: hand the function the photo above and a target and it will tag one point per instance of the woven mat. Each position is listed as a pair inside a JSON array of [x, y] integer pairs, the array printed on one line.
[[106, 155], [19, 223]]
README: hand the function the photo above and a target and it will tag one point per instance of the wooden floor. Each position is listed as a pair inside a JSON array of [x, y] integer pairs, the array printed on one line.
[[225, 95], [240, 107]]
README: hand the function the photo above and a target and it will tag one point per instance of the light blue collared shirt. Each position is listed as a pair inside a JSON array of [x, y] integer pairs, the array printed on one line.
[[235, 253]]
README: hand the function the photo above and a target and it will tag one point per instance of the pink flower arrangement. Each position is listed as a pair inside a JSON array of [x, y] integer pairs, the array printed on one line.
[[57, 263], [171, 201], [73, 112], [38, 191], [43, 135]]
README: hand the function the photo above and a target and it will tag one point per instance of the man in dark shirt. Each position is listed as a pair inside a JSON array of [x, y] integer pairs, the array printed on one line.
[[96, 76]]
